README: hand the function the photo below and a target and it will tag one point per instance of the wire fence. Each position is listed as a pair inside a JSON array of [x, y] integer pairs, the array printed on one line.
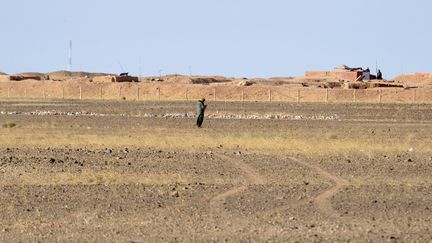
[[156, 91]]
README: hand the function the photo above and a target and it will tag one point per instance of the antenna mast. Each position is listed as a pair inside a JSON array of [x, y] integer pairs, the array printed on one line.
[[70, 56], [140, 67], [376, 64]]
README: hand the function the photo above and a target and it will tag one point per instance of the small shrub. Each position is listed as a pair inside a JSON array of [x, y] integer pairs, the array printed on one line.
[[8, 125], [331, 136]]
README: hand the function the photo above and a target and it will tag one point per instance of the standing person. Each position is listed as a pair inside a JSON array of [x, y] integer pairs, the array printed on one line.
[[379, 75], [200, 111], [366, 74]]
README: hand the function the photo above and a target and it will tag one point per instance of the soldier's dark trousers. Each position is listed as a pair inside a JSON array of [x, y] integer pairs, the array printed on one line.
[[200, 120]]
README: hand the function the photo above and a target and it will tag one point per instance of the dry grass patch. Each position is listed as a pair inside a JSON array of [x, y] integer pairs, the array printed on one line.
[[199, 140]]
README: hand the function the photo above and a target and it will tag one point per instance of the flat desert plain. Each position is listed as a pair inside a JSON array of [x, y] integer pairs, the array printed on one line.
[[124, 171]]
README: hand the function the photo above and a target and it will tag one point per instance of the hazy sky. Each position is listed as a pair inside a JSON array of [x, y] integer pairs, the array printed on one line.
[[242, 38]]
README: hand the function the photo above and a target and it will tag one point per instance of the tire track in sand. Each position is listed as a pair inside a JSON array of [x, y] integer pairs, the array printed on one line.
[[323, 200], [252, 178]]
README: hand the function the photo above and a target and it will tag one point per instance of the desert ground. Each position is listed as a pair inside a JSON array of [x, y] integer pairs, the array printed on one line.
[[140, 171]]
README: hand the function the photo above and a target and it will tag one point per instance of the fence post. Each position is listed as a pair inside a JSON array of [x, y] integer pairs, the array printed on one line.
[[327, 95], [214, 94], [269, 95], [354, 96], [138, 93], [414, 96], [242, 94], [298, 96], [380, 95], [80, 89]]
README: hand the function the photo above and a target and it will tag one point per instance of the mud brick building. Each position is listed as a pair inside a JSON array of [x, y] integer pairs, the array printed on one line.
[[341, 75]]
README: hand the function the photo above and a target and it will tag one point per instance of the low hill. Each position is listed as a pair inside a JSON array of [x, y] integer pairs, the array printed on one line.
[[182, 79], [66, 75], [416, 79]]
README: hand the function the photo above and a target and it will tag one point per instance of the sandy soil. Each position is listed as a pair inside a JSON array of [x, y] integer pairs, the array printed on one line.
[[362, 177]]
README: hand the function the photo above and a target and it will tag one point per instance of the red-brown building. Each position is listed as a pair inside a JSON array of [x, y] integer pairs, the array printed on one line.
[[341, 75], [341, 72]]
